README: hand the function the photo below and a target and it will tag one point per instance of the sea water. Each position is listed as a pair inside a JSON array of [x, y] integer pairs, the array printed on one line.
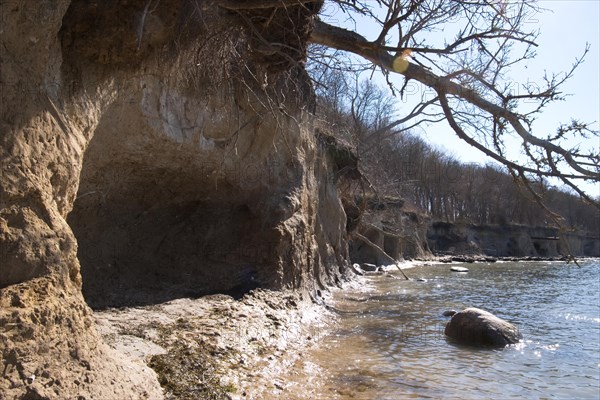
[[387, 341]]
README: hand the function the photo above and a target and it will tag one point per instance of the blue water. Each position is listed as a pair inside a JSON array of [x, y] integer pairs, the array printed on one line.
[[388, 340]]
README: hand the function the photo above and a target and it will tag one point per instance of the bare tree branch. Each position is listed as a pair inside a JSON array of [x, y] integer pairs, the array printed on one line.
[[342, 39]]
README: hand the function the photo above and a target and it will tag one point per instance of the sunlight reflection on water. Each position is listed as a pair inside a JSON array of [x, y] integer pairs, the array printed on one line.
[[389, 341]]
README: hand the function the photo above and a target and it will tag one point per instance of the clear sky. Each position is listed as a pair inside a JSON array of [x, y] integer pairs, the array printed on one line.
[[565, 28]]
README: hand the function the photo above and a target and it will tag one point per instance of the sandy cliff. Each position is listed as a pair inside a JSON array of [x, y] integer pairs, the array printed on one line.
[[387, 224], [149, 153]]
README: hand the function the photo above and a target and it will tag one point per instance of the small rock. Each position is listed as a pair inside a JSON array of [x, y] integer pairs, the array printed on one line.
[[368, 267], [357, 269]]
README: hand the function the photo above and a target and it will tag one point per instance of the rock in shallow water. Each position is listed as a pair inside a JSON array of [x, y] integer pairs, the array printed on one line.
[[477, 327]]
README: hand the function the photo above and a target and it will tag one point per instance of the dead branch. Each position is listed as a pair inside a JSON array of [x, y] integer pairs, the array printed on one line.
[[380, 250]]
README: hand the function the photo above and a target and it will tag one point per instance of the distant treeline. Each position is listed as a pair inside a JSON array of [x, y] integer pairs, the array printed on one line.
[[398, 163], [452, 191]]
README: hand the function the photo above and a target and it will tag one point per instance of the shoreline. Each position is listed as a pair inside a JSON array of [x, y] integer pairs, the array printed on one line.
[[358, 268], [216, 347], [479, 258]]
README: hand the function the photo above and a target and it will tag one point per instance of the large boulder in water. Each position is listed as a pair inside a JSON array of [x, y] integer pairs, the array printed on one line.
[[480, 328]]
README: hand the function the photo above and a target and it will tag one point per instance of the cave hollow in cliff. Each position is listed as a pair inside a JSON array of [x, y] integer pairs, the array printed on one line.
[[153, 223]]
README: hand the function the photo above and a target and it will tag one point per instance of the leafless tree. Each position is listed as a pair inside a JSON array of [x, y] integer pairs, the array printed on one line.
[[468, 76]]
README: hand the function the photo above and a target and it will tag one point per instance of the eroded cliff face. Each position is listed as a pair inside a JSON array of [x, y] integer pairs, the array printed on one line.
[[149, 153], [388, 225], [510, 241]]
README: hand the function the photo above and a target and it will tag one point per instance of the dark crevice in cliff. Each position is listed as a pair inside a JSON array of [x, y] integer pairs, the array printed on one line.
[[136, 252], [134, 255]]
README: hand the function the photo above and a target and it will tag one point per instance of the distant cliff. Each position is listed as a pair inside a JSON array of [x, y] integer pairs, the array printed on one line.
[[509, 241], [388, 231]]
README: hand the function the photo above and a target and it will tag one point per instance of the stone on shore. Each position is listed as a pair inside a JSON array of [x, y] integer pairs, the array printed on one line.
[[369, 267], [357, 269]]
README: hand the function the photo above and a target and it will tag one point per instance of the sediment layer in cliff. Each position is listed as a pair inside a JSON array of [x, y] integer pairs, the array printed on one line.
[[510, 241]]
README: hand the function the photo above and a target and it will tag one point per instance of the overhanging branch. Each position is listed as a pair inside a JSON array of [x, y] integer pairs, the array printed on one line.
[[342, 39]]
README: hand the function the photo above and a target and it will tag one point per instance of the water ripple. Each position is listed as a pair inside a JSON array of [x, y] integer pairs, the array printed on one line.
[[390, 342]]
